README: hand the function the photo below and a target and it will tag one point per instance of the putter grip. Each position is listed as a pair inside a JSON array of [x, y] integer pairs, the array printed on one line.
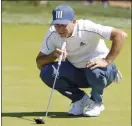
[[61, 56]]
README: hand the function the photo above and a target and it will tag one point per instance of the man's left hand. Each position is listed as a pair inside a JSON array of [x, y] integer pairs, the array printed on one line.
[[92, 64]]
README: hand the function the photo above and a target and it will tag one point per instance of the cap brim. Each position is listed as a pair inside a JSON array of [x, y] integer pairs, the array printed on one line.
[[60, 22]]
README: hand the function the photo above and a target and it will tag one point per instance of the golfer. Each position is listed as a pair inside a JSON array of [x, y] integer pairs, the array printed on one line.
[[88, 63]]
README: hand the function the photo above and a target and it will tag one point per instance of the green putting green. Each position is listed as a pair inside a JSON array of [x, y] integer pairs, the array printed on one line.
[[24, 96]]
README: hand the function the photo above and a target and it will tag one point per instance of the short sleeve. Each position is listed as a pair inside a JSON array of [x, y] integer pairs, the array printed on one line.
[[103, 31], [47, 45]]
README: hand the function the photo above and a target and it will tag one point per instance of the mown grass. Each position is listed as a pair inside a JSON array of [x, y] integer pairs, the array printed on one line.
[[24, 96]]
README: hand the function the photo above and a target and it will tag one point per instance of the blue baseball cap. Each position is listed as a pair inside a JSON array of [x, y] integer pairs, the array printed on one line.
[[62, 14]]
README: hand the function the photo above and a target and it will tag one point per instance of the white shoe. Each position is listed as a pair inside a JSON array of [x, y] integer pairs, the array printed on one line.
[[93, 110], [78, 106]]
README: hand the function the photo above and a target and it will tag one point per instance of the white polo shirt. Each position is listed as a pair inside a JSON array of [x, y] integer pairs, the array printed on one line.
[[86, 42]]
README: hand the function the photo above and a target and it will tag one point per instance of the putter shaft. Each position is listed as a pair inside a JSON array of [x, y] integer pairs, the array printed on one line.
[[59, 63], [52, 91]]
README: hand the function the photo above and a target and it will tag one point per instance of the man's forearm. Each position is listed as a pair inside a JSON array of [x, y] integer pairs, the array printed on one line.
[[117, 43], [44, 59], [114, 51]]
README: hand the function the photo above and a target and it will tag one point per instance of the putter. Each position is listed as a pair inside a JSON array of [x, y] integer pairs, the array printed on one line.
[[40, 120]]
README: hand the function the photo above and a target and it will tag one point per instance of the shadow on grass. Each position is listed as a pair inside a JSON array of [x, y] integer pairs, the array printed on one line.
[[50, 114]]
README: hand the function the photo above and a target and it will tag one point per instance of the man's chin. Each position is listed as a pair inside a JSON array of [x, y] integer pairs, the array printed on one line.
[[63, 36]]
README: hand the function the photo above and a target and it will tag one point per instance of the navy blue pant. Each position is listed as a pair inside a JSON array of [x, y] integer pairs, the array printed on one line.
[[71, 79]]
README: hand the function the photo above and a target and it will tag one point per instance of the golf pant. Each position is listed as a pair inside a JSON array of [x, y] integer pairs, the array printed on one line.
[[70, 79]]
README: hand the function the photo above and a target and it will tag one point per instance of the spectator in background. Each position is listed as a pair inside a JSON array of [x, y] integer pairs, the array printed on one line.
[[104, 2], [90, 1]]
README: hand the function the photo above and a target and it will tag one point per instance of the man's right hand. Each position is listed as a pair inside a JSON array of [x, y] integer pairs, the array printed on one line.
[[58, 52], [43, 59]]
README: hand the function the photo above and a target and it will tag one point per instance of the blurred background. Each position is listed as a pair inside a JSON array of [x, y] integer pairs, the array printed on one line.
[[39, 12], [24, 96]]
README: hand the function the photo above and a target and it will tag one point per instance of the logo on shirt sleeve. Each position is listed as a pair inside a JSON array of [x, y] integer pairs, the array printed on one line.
[[82, 44]]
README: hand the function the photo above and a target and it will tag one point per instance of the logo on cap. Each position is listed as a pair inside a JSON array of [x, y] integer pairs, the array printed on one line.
[[59, 14]]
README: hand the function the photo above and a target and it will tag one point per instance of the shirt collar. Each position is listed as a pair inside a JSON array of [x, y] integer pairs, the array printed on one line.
[[74, 30]]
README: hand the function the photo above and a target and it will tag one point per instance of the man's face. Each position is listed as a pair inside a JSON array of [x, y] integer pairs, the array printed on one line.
[[65, 30]]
